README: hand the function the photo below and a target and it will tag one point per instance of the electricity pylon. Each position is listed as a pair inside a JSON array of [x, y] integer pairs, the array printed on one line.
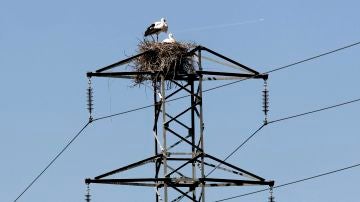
[[179, 159]]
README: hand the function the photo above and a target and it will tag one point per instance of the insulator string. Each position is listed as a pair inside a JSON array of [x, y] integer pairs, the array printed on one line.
[[90, 99], [87, 195], [265, 101], [271, 197]]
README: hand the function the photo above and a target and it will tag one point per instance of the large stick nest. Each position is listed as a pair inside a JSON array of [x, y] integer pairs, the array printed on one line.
[[169, 59]]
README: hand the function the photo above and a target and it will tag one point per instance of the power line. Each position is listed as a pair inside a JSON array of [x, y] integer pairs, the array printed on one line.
[[278, 120], [289, 65], [136, 109], [77, 135], [315, 57], [236, 149], [314, 111], [124, 112], [53, 160], [293, 182]]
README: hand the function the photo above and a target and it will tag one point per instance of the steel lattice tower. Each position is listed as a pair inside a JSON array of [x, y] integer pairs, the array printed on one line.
[[179, 159]]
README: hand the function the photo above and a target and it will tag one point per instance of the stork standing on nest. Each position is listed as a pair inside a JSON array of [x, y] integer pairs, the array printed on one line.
[[157, 28]]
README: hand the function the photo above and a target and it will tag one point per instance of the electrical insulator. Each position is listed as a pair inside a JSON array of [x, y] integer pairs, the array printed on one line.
[[87, 195], [90, 100], [271, 197], [265, 101]]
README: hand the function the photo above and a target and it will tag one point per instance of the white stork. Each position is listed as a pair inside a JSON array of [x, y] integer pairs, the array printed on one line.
[[157, 28], [171, 39]]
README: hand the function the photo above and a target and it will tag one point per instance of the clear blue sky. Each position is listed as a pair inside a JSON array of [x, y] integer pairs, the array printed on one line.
[[46, 47]]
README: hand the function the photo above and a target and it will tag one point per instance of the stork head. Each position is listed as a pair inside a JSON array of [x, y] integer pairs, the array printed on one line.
[[163, 20], [171, 36]]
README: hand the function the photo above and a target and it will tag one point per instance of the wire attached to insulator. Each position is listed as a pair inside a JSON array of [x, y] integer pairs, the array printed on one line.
[[87, 195], [90, 100], [265, 101], [271, 197]]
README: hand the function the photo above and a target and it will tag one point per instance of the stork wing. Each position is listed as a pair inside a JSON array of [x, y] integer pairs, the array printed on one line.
[[149, 30]]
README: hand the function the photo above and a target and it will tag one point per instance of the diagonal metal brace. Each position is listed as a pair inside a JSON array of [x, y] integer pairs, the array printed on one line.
[[133, 165]]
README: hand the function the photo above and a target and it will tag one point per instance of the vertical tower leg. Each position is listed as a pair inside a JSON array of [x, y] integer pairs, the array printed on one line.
[[192, 133], [201, 127], [155, 132], [163, 104]]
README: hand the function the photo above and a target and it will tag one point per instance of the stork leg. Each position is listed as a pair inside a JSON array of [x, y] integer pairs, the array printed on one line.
[[157, 37]]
